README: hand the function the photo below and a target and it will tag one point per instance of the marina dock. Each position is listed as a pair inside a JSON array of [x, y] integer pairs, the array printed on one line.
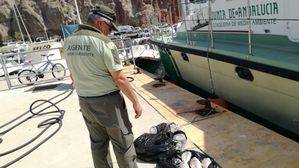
[[233, 141]]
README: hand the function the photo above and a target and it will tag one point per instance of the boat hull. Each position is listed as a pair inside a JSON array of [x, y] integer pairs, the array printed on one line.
[[272, 97]]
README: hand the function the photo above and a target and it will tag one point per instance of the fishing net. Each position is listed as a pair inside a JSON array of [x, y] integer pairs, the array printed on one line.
[[164, 145], [160, 143]]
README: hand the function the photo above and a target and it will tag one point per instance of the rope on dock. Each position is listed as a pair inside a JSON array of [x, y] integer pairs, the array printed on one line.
[[46, 124]]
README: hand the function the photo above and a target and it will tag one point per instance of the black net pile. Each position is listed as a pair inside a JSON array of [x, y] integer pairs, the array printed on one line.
[[173, 161], [164, 146], [150, 147]]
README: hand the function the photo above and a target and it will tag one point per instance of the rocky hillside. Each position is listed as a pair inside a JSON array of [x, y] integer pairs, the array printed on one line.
[[45, 17]]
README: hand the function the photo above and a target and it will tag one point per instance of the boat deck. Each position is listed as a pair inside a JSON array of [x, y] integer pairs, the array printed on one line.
[[230, 139]]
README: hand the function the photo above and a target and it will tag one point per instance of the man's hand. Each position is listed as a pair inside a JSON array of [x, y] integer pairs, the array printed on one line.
[[138, 109], [122, 82]]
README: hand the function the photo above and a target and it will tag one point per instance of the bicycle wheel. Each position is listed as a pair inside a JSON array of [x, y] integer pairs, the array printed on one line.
[[58, 71], [27, 77]]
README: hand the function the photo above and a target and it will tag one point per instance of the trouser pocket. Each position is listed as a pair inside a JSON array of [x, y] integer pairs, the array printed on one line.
[[123, 146]]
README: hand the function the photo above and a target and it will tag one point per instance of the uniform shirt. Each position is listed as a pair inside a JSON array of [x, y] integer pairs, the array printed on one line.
[[90, 57]]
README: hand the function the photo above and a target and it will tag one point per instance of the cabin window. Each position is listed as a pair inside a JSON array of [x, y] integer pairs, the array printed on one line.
[[198, 1]]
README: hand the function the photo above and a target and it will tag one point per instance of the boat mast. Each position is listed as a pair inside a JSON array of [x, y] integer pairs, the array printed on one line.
[[28, 35], [19, 26], [78, 14]]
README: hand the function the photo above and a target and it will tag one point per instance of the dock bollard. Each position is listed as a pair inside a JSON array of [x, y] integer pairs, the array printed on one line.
[[219, 102], [137, 71]]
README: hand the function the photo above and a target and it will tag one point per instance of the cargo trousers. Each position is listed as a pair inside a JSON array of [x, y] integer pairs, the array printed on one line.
[[106, 118]]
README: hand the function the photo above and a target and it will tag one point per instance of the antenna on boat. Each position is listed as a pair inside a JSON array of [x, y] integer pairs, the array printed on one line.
[[78, 14], [249, 30], [184, 12], [211, 41], [210, 25]]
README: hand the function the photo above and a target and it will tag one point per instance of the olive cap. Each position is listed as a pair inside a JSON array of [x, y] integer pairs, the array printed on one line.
[[106, 13]]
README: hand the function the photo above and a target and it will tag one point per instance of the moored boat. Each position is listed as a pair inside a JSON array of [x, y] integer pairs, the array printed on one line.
[[245, 51]]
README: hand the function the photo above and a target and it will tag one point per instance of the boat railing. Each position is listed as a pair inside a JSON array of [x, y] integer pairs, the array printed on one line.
[[125, 49], [165, 36], [39, 65], [215, 30]]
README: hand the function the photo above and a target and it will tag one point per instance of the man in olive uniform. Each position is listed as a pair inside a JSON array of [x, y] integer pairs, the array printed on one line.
[[96, 71]]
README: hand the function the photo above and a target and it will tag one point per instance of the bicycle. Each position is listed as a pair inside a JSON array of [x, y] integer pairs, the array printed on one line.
[[30, 76]]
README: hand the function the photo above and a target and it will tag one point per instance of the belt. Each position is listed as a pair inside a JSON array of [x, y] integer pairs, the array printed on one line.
[[108, 94]]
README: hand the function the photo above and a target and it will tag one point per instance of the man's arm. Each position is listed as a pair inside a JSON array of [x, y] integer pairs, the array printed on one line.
[[122, 82]]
